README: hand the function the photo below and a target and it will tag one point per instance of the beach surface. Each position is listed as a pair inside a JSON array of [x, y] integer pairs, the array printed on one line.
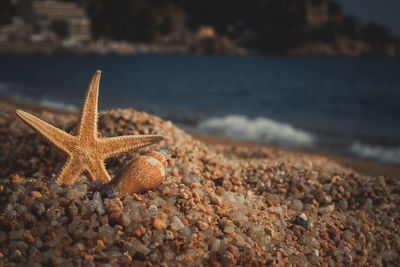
[[223, 203]]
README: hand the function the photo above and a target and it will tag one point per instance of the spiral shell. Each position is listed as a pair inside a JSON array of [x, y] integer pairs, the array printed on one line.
[[142, 174]]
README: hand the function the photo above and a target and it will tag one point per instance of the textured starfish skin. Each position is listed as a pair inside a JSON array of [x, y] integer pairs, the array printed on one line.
[[84, 149]]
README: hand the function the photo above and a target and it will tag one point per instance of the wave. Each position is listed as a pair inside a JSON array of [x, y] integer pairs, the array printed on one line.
[[260, 129], [45, 103], [57, 105], [374, 152]]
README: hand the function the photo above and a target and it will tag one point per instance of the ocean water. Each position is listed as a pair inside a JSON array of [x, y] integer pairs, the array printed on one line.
[[342, 106]]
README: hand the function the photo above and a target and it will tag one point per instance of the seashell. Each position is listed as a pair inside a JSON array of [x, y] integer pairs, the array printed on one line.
[[142, 174]]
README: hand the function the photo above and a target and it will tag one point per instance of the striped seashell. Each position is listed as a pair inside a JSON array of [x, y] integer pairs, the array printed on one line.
[[144, 173]]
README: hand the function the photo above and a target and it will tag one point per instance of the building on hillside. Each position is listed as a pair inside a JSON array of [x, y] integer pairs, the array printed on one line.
[[316, 12], [68, 18], [179, 32], [206, 32]]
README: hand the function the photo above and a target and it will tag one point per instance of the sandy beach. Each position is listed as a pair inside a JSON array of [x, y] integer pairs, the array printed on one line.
[[223, 203]]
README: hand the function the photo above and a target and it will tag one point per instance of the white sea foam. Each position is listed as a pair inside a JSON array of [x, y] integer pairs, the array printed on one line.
[[383, 154], [45, 103], [57, 105], [260, 129]]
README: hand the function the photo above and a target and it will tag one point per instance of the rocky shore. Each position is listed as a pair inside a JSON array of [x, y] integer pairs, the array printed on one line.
[[220, 205]]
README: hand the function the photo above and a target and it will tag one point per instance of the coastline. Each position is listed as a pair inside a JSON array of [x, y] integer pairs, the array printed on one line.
[[364, 167], [316, 49]]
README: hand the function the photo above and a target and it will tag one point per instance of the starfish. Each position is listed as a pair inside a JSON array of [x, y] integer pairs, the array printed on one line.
[[84, 149]]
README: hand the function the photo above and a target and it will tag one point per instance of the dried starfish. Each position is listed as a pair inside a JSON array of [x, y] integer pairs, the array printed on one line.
[[84, 149]]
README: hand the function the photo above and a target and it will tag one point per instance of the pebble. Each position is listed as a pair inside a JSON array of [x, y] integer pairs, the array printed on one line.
[[36, 194], [221, 205], [176, 224], [215, 244], [153, 210], [215, 199], [159, 224], [303, 216], [229, 229], [190, 179], [296, 205]]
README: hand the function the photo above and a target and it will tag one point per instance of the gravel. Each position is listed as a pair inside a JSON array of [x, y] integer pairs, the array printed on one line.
[[220, 205]]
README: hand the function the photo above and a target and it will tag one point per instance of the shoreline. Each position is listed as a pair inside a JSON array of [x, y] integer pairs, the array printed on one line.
[[365, 167], [221, 203], [311, 50]]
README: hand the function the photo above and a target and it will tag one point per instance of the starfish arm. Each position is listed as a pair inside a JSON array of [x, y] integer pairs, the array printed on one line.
[[69, 172], [53, 135], [98, 171], [86, 126], [114, 146]]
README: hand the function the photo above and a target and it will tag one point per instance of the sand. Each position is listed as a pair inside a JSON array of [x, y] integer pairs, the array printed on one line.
[[222, 204]]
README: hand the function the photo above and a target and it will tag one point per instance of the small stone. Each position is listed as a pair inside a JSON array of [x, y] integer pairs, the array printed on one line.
[[189, 179], [220, 190], [327, 199], [16, 255], [303, 216], [240, 240], [142, 249], [124, 219], [28, 237], [215, 199], [100, 244], [38, 208], [187, 233], [227, 184], [54, 188], [301, 220], [36, 194], [153, 210], [215, 244], [296, 205], [316, 252], [125, 259], [169, 234], [343, 204], [16, 179], [98, 203], [159, 224], [176, 224], [38, 243], [273, 198], [236, 180], [229, 229]]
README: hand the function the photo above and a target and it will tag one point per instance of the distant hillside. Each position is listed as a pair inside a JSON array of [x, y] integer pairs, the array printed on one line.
[[298, 27], [273, 26]]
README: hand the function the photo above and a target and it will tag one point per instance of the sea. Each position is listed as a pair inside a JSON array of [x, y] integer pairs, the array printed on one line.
[[340, 106]]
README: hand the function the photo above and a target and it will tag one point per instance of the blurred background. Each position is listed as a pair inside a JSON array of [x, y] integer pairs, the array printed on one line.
[[318, 75]]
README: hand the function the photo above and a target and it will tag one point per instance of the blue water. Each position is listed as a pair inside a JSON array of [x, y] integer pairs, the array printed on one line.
[[336, 105]]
